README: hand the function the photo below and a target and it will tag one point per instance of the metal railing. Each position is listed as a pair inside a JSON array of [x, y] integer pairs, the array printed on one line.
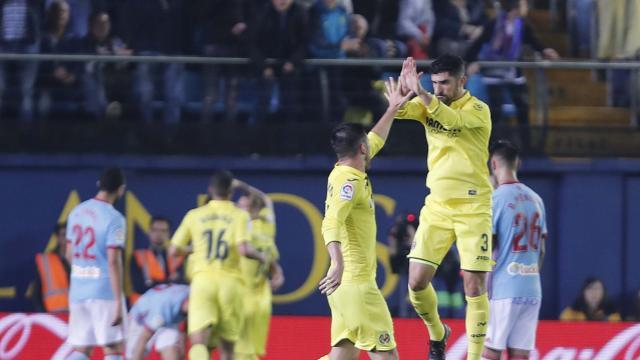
[[539, 66]]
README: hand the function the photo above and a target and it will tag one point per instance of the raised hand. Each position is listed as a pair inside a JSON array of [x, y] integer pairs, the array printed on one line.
[[394, 94], [411, 77]]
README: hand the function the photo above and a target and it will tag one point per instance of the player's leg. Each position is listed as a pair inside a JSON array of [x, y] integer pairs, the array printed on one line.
[[431, 243], [168, 342], [81, 335], [384, 355], [344, 350], [501, 321], [202, 314], [109, 336], [230, 300], [518, 354], [473, 231], [523, 335]]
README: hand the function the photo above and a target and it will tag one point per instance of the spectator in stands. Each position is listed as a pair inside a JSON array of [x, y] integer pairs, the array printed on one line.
[[152, 265], [382, 16], [54, 82], [400, 238], [20, 33], [416, 25], [94, 75], [329, 26], [281, 32], [80, 14], [222, 27], [363, 98], [592, 304], [503, 39], [51, 287], [460, 22], [157, 28]]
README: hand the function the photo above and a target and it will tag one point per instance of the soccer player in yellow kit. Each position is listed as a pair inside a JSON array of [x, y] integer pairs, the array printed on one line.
[[360, 318], [458, 208], [260, 278], [219, 233]]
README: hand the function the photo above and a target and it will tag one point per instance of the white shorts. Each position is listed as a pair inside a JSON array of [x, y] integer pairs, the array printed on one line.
[[513, 323], [163, 338], [90, 323]]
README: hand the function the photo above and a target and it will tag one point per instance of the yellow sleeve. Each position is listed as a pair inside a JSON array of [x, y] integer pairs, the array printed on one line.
[[473, 115], [569, 314], [413, 110], [182, 236], [375, 143], [242, 231], [340, 197]]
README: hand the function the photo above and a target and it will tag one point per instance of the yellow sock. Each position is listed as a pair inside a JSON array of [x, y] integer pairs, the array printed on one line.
[[199, 352], [476, 323], [426, 304]]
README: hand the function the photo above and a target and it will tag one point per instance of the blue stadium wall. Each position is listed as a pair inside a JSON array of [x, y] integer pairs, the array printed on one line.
[[593, 207]]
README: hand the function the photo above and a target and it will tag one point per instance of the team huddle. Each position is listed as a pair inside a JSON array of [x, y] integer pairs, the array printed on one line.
[[234, 267], [234, 259], [462, 207]]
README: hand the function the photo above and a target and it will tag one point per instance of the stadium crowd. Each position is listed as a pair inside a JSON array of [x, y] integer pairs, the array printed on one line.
[[286, 30]]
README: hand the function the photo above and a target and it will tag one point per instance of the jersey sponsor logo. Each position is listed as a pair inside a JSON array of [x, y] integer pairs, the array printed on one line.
[[346, 192], [85, 272], [483, 258], [384, 338], [522, 269], [435, 127]]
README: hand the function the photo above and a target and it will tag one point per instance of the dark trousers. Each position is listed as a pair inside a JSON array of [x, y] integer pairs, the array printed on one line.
[[520, 95]]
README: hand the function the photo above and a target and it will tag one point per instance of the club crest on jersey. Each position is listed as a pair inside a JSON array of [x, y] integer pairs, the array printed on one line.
[[346, 192], [384, 338]]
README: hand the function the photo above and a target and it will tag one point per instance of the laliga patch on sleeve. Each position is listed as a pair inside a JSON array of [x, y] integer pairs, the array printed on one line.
[[346, 191]]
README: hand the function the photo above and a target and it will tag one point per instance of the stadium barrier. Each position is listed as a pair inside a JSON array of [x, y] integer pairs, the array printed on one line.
[[41, 336]]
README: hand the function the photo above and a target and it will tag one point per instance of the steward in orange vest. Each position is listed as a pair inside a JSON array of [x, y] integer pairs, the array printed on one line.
[[51, 288], [153, 266]]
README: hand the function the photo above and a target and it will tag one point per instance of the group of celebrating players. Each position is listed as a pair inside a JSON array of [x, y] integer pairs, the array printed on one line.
[[235, 261]]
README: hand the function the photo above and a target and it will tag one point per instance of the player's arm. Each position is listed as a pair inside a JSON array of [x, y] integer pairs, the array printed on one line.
[[334, 276], [476, 117], [277, 275], [242, 237], [396, 100], [115, 244], [139, 346], [339, 204], [543, 250], [248, 189], [115, 278], [180, 240]]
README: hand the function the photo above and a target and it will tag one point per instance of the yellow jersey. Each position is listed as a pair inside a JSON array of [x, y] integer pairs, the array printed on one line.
[[458, 142], [215, 230], [263, 234], [350, 217]]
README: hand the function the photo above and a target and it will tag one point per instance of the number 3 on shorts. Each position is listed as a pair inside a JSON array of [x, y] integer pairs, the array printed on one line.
[[485, 242]]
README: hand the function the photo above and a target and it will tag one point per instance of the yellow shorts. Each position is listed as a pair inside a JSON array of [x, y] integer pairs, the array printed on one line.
[[255, 328], [216, 300], [360, 314], [442, 223]]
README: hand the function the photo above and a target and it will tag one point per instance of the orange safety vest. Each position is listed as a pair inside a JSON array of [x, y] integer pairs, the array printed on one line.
[[152, 270], [55, 282]]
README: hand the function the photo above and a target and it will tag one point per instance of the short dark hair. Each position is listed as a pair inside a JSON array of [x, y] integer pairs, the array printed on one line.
[[506, 150], [159, 218], [111, 180], [452, 64], [345, 139], [220, 183]]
